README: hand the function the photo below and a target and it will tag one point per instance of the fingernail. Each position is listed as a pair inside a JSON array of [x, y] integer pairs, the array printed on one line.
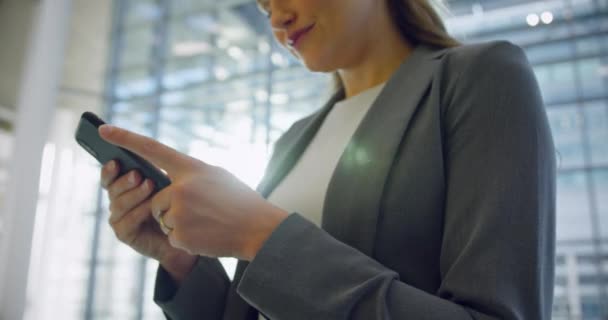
[[132, 178], [112, 165], [106, 129]]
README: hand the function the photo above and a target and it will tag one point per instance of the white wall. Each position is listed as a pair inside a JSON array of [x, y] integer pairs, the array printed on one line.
[[79, 74], [15, 24]]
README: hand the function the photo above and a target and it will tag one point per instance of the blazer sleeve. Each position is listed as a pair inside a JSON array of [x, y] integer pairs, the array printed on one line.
[[497, 254], [201, 295]]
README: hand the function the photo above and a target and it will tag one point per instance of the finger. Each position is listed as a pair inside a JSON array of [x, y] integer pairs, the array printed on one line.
[[163, 225], [109, 172], [129, 200], [127, 228], [175, 242], [161, 203], [159, 154], [161, 208], [124, 183]]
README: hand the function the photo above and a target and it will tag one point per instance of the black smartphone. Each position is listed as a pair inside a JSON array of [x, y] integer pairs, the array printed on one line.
[[87, 135]]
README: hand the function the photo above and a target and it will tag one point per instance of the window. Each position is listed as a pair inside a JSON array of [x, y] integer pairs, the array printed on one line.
[[207, 78]]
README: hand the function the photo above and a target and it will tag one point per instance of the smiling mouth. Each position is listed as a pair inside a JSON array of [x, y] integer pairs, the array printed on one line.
[[293, 42]]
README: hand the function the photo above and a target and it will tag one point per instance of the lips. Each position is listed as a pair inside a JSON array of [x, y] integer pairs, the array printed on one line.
[[293, 38]]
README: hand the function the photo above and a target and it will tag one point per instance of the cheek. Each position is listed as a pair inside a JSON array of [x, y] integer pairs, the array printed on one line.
[[281, 38], [341, 28]]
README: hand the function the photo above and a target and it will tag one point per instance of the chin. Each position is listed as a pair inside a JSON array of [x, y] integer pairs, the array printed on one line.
[[319, 69], [317, 65]]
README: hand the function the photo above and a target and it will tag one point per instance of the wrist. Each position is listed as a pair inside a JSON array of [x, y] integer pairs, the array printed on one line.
[[262, 232], [178, 264]]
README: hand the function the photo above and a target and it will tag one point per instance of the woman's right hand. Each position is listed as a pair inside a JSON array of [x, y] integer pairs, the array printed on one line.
[[132, 221]]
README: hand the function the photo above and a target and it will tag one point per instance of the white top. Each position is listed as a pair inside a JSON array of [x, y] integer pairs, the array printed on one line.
[[303, 188]]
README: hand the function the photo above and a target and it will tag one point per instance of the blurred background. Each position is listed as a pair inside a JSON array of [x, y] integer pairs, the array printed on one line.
[[206, 77]]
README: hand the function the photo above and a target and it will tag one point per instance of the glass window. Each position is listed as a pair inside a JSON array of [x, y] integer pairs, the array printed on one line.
[[596, 118], [181, 7], [591, 306], [141, 12], [592, 81], [566, 128], [151, 311], [134, 82], [295, 96], [573, 217], [137, 44], [228, 92], [600, 180], [589, 45], [549, 52], [556, 82], [189, 71], [117, 278], [192, 35]]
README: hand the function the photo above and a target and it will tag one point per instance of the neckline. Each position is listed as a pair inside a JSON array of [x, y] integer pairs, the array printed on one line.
[[370, 92]]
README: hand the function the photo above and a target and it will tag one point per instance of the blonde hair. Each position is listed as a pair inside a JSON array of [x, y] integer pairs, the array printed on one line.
[[418, 23]]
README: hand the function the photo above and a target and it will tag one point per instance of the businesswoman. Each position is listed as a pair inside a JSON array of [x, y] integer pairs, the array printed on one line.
[[423, 189]]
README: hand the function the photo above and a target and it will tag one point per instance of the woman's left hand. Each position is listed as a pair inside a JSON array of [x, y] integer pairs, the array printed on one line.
[[209, 211]]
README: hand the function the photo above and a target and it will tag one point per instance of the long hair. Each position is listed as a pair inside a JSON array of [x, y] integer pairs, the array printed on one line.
[[418, 23]]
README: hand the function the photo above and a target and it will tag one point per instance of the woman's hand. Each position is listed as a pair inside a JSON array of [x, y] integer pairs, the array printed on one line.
[[208, 210], [132, 221]]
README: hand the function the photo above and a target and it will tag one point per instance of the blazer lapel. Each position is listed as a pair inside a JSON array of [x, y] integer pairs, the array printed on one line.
[[352, 204], [285, 158], [353, 197]]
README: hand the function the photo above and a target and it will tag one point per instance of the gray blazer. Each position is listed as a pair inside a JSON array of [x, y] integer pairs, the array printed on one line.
[[442, 206]]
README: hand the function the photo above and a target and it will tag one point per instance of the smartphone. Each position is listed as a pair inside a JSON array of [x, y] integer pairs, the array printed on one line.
[[87, 135]]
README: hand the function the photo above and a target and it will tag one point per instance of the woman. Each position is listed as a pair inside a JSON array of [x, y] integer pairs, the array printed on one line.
[[423, 189]]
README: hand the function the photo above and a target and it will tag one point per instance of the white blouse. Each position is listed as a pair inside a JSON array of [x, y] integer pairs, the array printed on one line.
[[303, 189]]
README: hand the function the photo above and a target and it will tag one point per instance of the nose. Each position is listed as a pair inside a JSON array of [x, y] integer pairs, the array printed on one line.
[[281, 18]]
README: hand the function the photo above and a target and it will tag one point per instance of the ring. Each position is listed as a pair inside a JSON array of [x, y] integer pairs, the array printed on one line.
[[162, 222]]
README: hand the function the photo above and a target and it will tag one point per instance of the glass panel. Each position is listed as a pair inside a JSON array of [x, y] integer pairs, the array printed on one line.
[[600, 179], [117, 275], [187, 71], [592, 82], [296, 93], [61, 244], [180, 7], [589, 45], [151, 309], [215, 123], [201, 50], [216, 104], [192, 35], [573, 217], [135, 115], [566, 124], [591, 304], [556, 82], [596, 117], [549, 52], [134, 82], [207, 30], [140, 12], [138, 43]]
